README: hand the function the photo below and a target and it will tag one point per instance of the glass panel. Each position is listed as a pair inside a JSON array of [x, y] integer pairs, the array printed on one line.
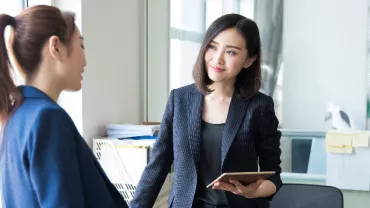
[[38, 2], [247, 8], [214, 9], [183, 56], [188, 15], [231, 6]]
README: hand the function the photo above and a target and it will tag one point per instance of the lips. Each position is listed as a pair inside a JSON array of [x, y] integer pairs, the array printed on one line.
[[217, 69]]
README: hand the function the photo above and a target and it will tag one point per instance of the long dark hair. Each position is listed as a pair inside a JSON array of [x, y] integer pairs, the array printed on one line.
[[30, 31], [248, 82]]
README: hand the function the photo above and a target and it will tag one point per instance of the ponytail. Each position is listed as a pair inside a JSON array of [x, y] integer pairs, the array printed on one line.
[[9, 93]]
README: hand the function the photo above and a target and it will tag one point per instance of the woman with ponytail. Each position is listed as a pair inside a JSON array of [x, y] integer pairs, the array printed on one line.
[[45, 161]]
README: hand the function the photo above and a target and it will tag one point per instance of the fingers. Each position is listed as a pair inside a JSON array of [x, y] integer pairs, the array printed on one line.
[[224, 186], [259, 181], [237, 184], [236, 187]]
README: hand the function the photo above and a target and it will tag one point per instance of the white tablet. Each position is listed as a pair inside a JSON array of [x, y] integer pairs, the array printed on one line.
[[244, 178]]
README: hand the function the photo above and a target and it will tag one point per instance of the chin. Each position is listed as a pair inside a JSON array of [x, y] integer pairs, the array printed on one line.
[[74, 88], [215, 77]]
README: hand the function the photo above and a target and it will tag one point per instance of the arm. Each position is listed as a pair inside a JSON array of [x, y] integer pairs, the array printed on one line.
[[269, 149], [160, 162], [54, 169]]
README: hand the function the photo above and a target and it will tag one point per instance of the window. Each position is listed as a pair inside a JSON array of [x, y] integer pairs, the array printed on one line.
[[39, 2]]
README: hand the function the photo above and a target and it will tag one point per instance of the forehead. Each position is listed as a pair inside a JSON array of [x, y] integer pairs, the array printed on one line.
[[230, 36], [76, 33]]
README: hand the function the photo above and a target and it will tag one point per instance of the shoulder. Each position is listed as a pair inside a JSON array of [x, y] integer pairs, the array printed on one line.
[[52, 117], [34, 111], [54, 113], [181, 94], [42, 123], [52, 128], [260, 99], [185, 90], [40, 114], [260, 102]]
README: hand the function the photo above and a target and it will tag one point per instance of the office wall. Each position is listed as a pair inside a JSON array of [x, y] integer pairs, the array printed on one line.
[[325, 46], [111, 84], [158, 58]]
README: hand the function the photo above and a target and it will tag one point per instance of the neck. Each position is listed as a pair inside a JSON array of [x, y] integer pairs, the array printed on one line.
[[50, 90], [46, 83], [222, 90]]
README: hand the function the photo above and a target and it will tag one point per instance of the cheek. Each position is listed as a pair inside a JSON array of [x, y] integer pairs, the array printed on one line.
[[82, 57], [235, 64], [78, 60], [208, 56]]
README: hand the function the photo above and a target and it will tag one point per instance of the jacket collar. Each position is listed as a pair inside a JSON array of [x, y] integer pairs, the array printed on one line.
[[235, 116], [33, 92]]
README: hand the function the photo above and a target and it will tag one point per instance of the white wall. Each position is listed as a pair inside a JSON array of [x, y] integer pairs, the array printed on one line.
[[111, 85], [325, 46], [158, 58]]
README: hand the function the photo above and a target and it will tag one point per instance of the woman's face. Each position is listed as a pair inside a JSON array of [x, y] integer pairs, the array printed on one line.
[[75, 62], [226, 56]]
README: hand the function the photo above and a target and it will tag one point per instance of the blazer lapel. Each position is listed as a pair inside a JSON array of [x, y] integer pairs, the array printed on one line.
[[234, 118], [194, 123]]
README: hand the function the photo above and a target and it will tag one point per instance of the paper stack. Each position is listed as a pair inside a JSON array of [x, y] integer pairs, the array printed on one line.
[[347, 156], [343, 142], [130, 130]]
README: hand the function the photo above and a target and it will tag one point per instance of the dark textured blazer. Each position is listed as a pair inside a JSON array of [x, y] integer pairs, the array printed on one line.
[[46, 162], [250, 139]]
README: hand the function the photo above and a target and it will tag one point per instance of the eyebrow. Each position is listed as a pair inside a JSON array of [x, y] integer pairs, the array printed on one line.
[[82, 38], [228, 46]]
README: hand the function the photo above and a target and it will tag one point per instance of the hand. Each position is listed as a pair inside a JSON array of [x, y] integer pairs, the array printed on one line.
[[250, 191]]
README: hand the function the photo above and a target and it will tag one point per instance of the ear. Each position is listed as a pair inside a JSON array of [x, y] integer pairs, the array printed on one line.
[[55, 48], [249, 61]]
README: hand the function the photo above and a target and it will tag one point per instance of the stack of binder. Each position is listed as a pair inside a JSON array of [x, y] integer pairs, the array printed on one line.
[[123, 131], [124, 162]]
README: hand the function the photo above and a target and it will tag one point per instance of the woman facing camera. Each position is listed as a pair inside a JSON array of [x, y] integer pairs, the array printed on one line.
[[222, 123], [44, 160]]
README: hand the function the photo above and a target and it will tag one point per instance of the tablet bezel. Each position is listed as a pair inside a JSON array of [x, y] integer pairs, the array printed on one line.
[[244, 178]]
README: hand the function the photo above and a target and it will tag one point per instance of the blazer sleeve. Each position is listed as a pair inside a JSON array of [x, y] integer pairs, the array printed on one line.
[[160, 162], [269, 142], [54, 170]]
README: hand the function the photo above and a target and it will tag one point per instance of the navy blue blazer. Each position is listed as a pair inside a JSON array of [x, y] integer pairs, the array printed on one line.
[[250, 135], [46, 163]]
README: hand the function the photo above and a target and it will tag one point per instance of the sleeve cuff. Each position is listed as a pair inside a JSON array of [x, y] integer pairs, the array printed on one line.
[[275, 179]]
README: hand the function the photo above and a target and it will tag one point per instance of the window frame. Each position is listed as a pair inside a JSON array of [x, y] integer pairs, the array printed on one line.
[[28, 3]]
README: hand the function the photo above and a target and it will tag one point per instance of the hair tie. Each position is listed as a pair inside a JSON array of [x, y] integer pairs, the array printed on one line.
[[12, 21]]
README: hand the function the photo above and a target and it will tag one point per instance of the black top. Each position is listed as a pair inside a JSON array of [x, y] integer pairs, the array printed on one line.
[[210, 165]]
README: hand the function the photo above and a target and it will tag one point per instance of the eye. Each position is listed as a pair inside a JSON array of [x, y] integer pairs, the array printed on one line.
[[211, 47], [231, 53], [82, 46]]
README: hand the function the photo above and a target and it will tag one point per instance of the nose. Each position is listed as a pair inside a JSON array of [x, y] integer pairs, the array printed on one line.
[[85, 61], [219, 57]]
